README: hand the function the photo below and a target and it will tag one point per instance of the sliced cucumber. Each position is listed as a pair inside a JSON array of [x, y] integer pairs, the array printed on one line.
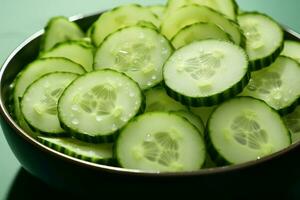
[[77, 51], [191, 14], [60, 29], [96, 153], [265, 39], [158, 100], [292, 121], [160, 142], [227, 7], [198, 31], [250, 131], [292, 49], [193, 119], [203, 112], [120, 17], [39, 102], [277, 85], [36, 70], [139, 52], [98, 104], [205, 73], [158, 10]]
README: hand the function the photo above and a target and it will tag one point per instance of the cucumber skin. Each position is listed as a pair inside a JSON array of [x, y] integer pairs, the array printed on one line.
[[210, 100], [105, 161], [216, 157], [261, 63], [109, 138]]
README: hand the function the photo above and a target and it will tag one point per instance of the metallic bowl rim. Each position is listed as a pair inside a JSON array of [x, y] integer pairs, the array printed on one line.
[[116, 170]]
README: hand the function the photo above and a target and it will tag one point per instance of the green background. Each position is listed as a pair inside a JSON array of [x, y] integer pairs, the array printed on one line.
[[21, 18]]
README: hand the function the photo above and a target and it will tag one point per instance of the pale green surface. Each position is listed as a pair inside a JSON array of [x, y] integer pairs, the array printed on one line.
[[21, 18]]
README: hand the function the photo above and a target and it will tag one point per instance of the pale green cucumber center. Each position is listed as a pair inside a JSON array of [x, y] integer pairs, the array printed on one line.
[[254, 38]]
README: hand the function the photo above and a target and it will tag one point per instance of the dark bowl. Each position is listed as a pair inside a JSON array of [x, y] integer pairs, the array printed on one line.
[[277, 171]]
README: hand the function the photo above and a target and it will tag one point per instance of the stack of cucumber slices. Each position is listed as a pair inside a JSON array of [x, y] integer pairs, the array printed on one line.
[[176, 87]]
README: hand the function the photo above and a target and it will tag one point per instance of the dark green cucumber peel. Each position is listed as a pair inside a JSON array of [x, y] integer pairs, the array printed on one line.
[[210, 100], [105, 161]]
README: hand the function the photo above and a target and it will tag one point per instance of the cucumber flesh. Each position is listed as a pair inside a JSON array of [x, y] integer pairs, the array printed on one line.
[[60, 29], [39, 102], [158, 100], [139, 52], [77, 51], [118, 18], [292, 121], [173, 144], [277, 85], [205, 73], [198, 31], [251, 131], [158, 10], [191, 14], [193, 119], [265, 39], [96, 153], [98, 104], [292, 49], [203, 112]]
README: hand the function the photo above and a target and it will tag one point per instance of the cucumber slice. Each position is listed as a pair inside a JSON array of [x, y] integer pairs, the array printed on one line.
[[158, 10], [39, 102], [158, 100], [244, 129], [203, 112], [193, 119], [277, 85], [265, 39], [191, 14], [77, 51], [34, 71], [173, 144], [139, 52], [205, 73], [227, 7], [292, 49], [120, 17], [98, 104], [292, 121], [60, 29], [96, 153], [198, 31]]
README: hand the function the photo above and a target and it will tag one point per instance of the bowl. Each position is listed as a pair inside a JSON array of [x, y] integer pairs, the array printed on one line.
[[85, 178]]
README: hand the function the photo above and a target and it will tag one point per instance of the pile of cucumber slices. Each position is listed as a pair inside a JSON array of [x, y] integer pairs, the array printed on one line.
[[176, 87]]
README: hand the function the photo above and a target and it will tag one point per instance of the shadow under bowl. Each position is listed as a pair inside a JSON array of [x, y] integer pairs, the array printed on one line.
[[81, 177]]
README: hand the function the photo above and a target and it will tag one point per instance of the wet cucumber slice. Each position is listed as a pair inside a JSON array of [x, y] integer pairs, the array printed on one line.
[[292, 49], [39, 102], [96, 153], [96, 105], [278, 85], [140, 52], [34, 71], [173, 144], [203, 112], [265, 39], [292, 121], [60, 29], [205, 73], [192, 14], [158, 10], [77, 51], [120, 17], [158, 100], [193, 119], [198, 31], [227, 7], [250, 131]]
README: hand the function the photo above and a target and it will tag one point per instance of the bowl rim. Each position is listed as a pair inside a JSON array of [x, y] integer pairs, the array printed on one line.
[[117, 170]]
